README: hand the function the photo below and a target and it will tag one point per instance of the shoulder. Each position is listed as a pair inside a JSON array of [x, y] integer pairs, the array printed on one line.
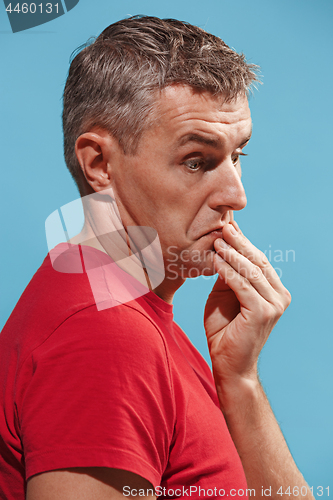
[[94, 352], [124, 335]]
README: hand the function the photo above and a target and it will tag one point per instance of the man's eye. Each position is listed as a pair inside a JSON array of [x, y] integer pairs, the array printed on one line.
[[194, 165], [235, 159]]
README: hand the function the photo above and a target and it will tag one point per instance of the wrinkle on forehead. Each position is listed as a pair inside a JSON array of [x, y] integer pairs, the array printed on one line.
[[180, 110], [182, 103]]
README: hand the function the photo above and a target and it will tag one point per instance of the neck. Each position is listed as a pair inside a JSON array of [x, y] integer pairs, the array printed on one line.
[[167, 289], [114, 245]]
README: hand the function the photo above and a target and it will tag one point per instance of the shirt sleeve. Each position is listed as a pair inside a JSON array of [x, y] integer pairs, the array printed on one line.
[[99, 394]]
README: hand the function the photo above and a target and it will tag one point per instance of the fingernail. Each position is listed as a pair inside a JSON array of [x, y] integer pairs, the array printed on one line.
[[235, 225], [222, 244], [232, 230]]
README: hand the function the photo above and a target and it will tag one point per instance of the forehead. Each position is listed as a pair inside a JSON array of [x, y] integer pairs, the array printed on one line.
[[181, 110]]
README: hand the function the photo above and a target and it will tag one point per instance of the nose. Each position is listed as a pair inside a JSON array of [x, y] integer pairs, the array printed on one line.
[[227, 188]]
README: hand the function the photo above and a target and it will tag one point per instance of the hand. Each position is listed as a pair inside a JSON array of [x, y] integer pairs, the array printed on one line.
[[247, 300]]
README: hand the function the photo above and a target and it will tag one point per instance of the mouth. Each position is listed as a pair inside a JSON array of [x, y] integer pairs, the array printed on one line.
[[214, 233]]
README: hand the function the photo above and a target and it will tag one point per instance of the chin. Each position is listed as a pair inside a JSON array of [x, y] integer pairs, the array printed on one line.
[[192, 265], [208, 271]]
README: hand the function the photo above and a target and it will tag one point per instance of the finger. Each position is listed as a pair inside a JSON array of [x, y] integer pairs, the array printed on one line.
[[236, 226], [238, 241], [246, 294], [248, 270]]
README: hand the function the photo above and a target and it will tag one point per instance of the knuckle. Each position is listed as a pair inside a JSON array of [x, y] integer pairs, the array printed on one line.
[[279, 307], [255, 273], [270, 313], [287, 297], [245, 285], [264, 260], [266, 313]]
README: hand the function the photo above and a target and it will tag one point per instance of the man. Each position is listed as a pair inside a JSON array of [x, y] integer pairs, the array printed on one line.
[[105, 398]]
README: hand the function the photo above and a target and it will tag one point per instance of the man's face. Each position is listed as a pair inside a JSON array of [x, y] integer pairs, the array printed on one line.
[[184, 180]]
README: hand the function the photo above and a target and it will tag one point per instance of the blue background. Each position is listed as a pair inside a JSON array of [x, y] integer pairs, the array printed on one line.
[[288, 178]]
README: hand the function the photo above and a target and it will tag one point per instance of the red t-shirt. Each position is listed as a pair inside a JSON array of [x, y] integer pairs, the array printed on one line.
[[118, 387]]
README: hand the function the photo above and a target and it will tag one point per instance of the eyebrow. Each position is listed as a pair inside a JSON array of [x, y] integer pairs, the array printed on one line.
[[212, 141]]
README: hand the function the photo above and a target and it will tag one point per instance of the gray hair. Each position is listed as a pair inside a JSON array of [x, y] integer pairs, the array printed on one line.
[[112, 82]]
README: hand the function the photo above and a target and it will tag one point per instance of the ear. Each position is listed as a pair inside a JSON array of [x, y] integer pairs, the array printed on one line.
[[95, 151]]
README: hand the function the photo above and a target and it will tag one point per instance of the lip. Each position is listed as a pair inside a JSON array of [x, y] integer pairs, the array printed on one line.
[[215, 233]]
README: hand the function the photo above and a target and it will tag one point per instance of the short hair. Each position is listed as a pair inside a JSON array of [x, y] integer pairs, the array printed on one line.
[[113, 82]]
